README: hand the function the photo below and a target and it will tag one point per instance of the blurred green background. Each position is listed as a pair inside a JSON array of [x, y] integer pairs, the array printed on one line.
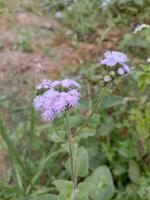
[[56, 39]]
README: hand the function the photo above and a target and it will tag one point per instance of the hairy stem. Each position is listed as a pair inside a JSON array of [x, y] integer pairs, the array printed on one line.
[[57, 133], [71, 154]]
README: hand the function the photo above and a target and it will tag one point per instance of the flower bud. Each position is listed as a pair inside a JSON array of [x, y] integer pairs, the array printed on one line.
[[121, 71], [107, 78], [112, 73]]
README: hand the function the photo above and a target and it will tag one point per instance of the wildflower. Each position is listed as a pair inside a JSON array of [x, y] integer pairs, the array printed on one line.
[[113, 57], [52, 102], [139, 27], [58, 15], [107, 79], [55, 84], [69, 8], [45, 84], [121, 71], [69, 83], [66, 83], [113, 67], [72, 98], [104, 5], [126, 68], [69, 32], [148, 60]]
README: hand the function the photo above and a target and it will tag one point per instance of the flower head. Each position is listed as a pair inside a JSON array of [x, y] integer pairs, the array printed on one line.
[[72, 98], [69, 83], [121, 71], [52, 102], [59, 15], [107, 79], [139, 27], [111, 58], [45, 84], [126, 68], [113, 67], [66, 83]]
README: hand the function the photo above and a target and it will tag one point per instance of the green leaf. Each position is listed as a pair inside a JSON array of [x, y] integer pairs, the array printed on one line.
[[13, 153], [101, 184], [32, 129], [95, 119], [139, 2], [41, 167], [146, 68], [83, 191], [41, 191], [45, 197], [134, 172], [119, 169], [63, 185], [85, 133], [75, 121], [19, 168], [82, 162], [112, 101], [106, 127], [55, 138], [65, 188]]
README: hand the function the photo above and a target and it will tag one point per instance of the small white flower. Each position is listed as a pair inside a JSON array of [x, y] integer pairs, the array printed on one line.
[[104, 4], [148, 60], [140, 27], [69, 32], [69, 8], [58, 15]]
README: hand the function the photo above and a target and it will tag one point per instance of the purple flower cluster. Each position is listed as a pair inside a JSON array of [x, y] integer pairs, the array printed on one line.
[[114, 57], [114, 64], [66, 83], [53, 102]]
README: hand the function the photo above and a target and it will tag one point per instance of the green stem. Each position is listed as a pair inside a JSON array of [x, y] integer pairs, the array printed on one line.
[[89, 97], [99, 100], [56, 132], [71, 152]]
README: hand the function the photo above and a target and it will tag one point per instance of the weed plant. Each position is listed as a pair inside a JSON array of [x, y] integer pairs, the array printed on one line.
[[111, 153]]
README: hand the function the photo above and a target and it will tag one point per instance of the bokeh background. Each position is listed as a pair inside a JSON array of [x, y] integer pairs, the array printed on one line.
[[53, 39]]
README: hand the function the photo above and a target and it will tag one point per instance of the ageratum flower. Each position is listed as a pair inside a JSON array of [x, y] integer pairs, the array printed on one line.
[[126, 68], [107, 79], [114, 65], [121, 71], [66, 83], [52, 103], [69, 83], [111, 58]]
